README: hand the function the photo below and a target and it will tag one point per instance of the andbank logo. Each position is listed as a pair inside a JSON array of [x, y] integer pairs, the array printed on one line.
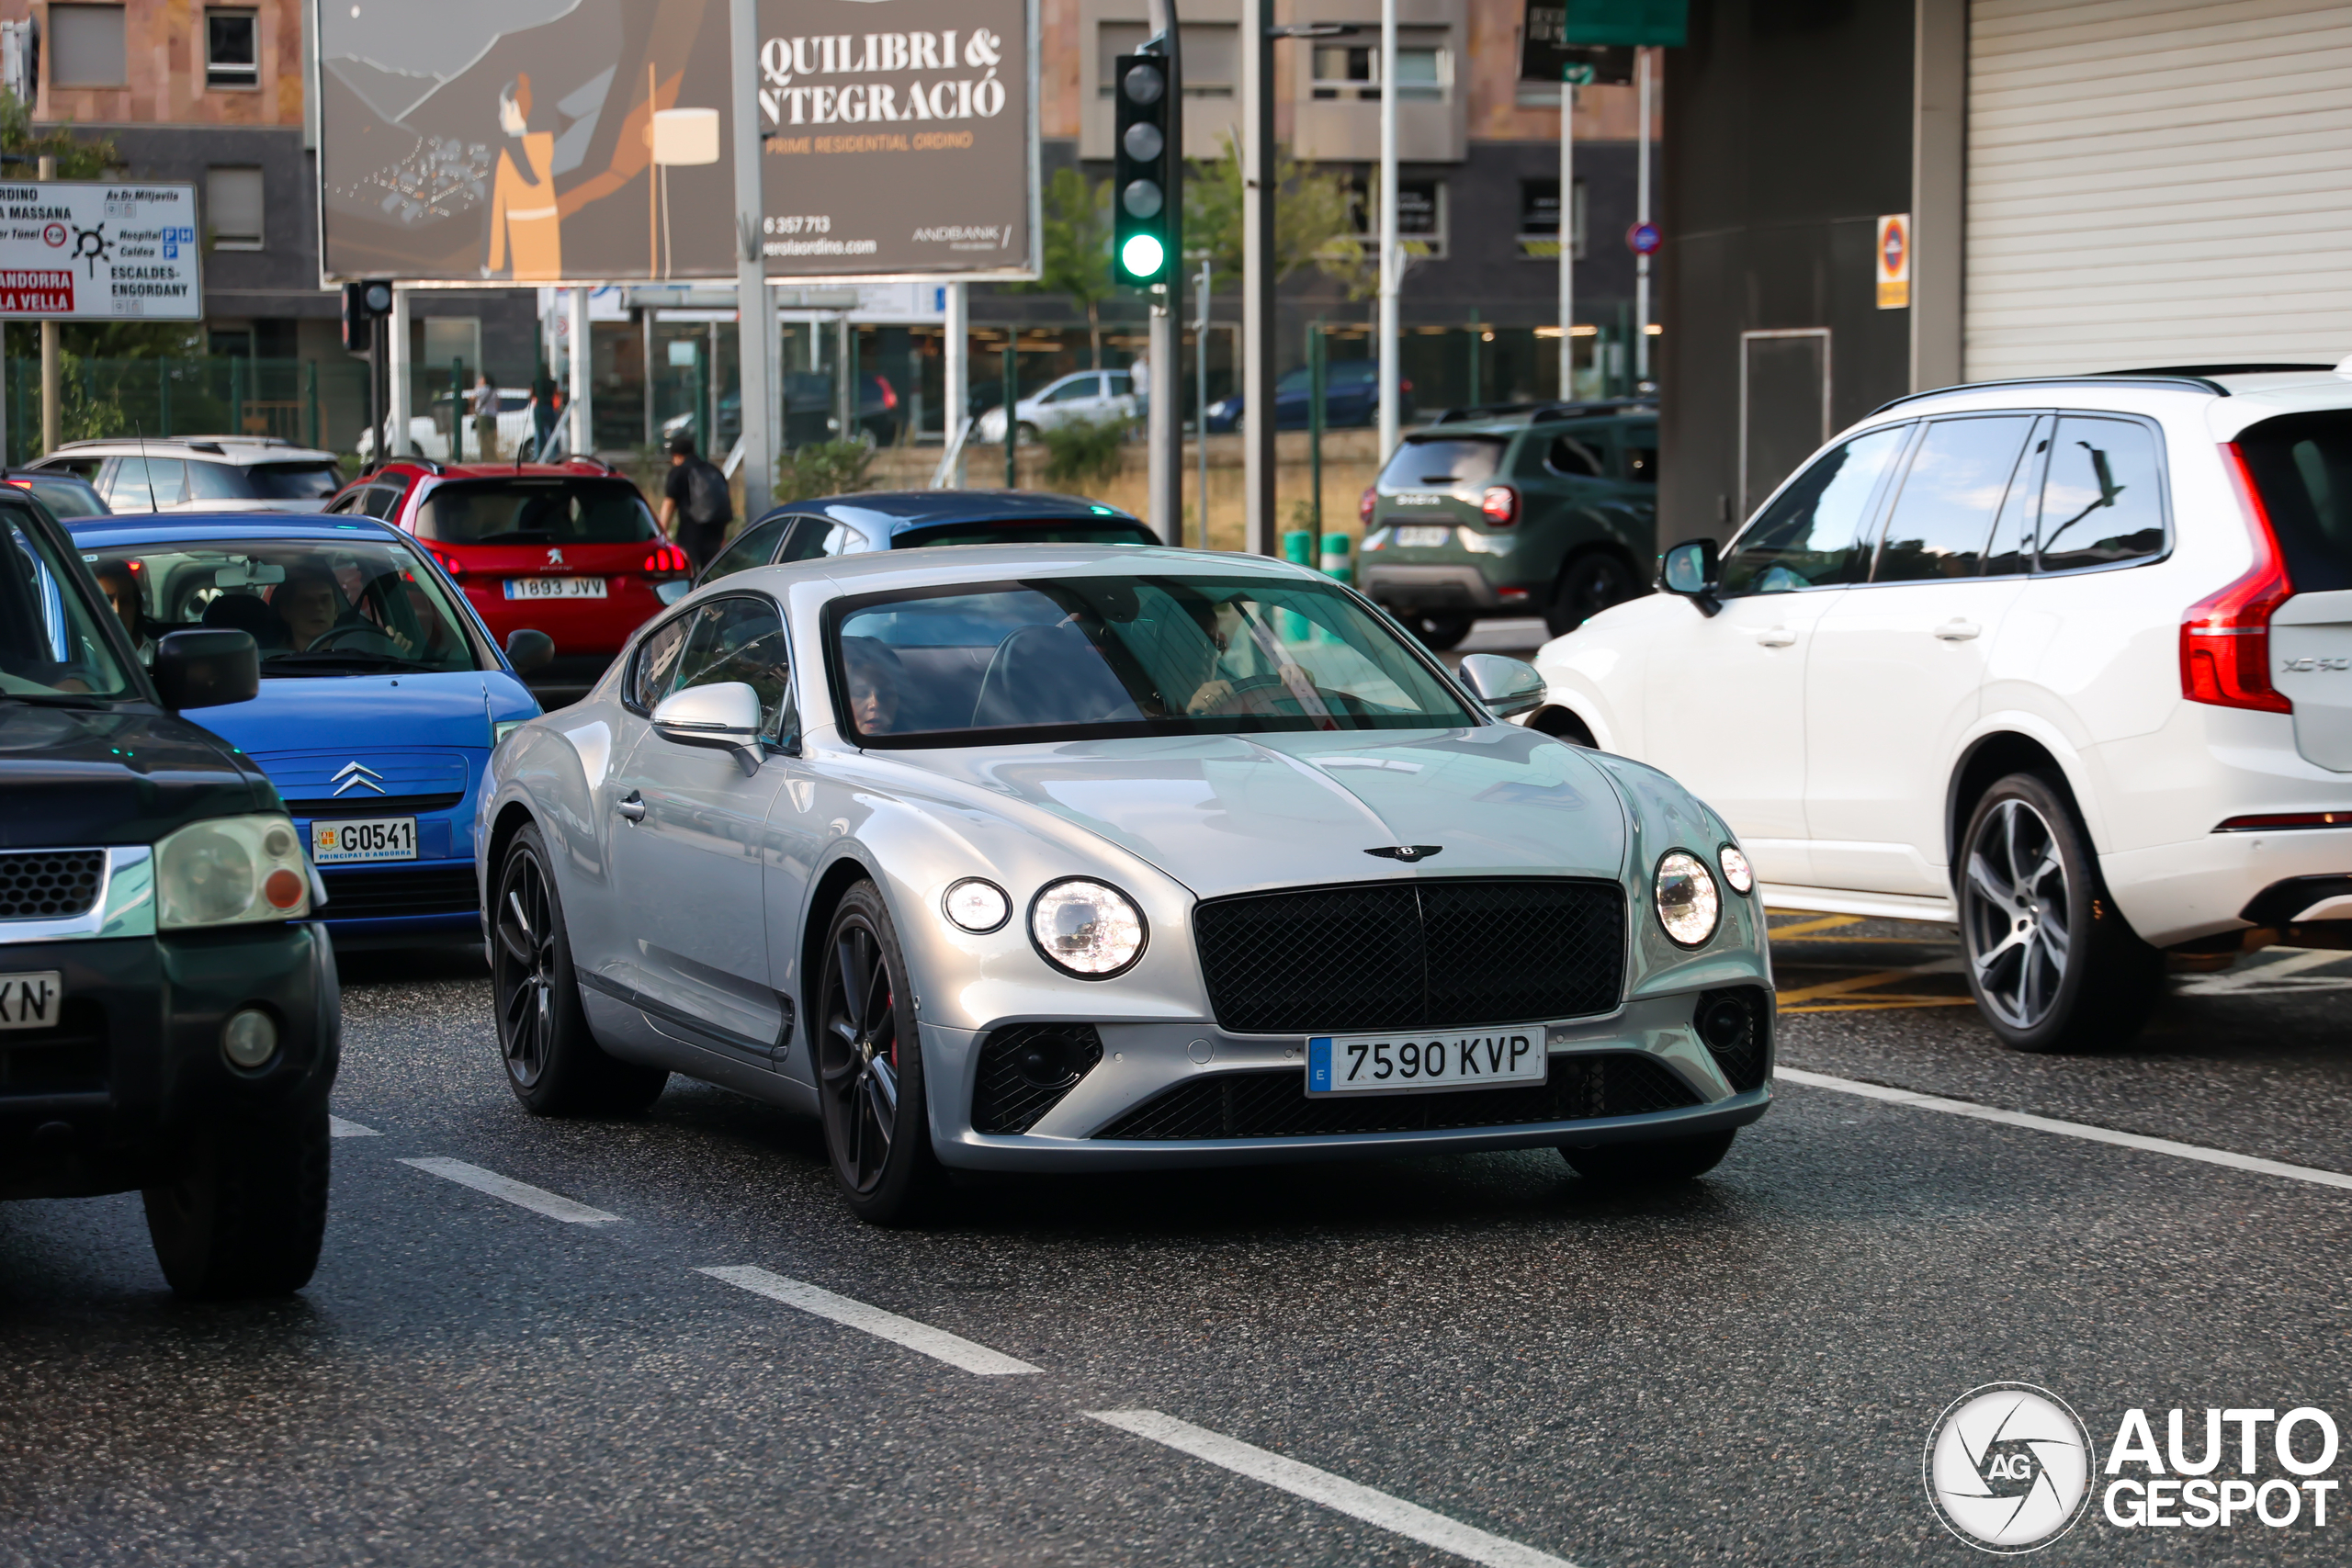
[[2008, 1467]]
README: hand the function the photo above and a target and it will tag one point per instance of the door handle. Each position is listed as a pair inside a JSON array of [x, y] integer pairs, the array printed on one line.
[[632, 807], [1958, 630], [1776, 636]]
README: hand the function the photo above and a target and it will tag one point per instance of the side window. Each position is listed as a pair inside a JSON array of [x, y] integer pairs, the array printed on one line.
[[381, 501], [840, 539], [1943, 514], [808, 541], [216, 482], [740, 638], [1637, 445], [751, 549], [2011, 554], [140, 483], [656, 671], [344, 504], [1812, 535], [2104, 498], [1574, 458]]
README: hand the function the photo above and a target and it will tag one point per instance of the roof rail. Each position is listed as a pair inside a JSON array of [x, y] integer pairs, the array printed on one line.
[[2165, 380], [1590, 407], [2201, 371]]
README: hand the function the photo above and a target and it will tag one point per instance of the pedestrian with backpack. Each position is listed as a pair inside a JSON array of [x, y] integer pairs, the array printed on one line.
[[696, 508]]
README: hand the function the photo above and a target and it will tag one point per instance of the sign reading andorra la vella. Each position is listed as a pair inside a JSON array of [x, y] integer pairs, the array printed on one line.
[[89, 251], [537, 141]]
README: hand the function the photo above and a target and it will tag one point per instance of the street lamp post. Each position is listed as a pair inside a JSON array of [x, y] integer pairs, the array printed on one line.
[[1391, 274]]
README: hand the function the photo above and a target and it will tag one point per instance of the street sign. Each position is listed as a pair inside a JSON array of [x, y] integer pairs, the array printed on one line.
[[84, 250], [1643, 239], [1892, 262], [1546, 55], [1629, 24]]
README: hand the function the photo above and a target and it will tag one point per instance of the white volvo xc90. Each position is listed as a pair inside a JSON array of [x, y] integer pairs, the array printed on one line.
[[2066, 661]]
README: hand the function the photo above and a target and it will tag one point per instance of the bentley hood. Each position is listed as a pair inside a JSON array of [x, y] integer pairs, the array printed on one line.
[[1233, 813]]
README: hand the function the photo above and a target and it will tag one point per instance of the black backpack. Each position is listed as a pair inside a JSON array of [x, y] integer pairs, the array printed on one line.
[[707, 498]]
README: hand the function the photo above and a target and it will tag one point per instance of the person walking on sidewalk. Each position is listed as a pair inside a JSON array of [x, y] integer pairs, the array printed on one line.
[[695, 507], [485, 411]]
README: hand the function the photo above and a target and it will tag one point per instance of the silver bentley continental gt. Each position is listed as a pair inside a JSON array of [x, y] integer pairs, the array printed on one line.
[[1071, 857]]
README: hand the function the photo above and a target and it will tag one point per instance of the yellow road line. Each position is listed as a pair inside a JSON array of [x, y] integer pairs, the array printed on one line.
[[1874, 1004], [1864, 982], [1825, 922]]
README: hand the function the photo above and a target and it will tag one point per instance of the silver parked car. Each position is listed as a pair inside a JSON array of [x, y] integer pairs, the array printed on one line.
[[1063, 858]]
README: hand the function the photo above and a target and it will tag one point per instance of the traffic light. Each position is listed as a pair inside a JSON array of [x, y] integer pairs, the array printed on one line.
[[1146, 201], [364, 304]]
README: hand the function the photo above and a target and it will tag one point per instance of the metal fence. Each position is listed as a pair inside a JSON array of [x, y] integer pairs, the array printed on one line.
[[311, 403]]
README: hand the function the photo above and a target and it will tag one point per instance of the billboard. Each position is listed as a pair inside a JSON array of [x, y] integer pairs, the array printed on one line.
[[473, 142], [88, 251]]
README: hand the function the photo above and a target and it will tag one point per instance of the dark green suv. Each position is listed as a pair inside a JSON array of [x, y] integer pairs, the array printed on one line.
[[1550, 510]]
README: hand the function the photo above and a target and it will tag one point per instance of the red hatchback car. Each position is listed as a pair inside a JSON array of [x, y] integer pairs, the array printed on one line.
[[569, 549]]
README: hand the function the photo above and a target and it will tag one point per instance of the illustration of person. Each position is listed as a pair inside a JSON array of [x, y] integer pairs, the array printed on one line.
[[524, 215]]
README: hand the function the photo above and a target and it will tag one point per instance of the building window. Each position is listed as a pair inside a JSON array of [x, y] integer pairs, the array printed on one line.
[[1539, 220], [86, 46], [1212, 65], [1421, 216], [1351, 71], [233, 204], [232, 49]]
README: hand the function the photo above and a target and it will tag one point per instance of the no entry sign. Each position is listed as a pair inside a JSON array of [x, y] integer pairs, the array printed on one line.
[[1643, 239]]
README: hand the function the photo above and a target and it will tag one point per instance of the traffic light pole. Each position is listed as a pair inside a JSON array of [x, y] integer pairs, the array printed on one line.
[[1165, 431], [1257, 389], [754, 315]]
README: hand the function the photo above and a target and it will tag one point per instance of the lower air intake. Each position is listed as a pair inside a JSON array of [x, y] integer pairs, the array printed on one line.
[[1026, 1068]]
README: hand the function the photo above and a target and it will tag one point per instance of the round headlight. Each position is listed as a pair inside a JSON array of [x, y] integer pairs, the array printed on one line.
[[209, 877], [1086, 929], [978, 906], [1735, 869], [1688, 904]]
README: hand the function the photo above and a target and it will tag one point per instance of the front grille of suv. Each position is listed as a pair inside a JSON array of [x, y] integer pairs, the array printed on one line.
[[1275, 1104], [50, 884], [1442, 953]]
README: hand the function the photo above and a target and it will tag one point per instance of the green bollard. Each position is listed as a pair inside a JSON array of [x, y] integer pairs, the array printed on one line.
[[1299, 548], [1335, 562]]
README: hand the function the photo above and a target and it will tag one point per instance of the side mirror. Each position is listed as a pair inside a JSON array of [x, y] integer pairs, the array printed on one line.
[[1508, 686], [528, 650], [724, 716], [1690, 570], [207, 668]]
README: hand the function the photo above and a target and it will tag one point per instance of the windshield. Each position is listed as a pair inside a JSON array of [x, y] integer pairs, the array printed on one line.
[[1098, 657], [317, 607], [1075, 531], [51, 646], [528, 510], [1442, 462], [2302, 466], [64, 496]]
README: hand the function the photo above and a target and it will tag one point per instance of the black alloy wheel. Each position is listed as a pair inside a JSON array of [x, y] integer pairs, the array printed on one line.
[[2054, 964], [553, 1062], [869, 1067], [1589, 585]]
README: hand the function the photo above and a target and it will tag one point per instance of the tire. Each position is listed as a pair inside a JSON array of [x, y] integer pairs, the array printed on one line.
[[1588, 585], [1438, 633], [246, 1209], [870, 1068], [1562, 725], [2054, 964], [1657, 1162], [1029, 436], [553, 1062]]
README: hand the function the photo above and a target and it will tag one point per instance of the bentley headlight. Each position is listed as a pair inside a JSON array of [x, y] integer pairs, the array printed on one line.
[[231, 869], [977, 906], [1736, 870], [1086, 929], [1688, 904]]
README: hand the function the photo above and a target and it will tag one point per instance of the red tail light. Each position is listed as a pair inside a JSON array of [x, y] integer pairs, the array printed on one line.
[[449, 564], [1501, 504], [890, 393], [2225, 638], [668, 558], [22, 484], [1404, 384], [1364, 505]]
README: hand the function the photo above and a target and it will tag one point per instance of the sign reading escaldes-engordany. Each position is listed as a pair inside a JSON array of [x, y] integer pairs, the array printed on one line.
[[87, 250], [589, 141]]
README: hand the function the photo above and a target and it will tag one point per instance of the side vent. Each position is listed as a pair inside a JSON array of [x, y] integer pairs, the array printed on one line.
[[1026, 1068]]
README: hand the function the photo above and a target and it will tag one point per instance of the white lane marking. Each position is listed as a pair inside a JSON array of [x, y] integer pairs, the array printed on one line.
[[2068, 1129], [936, 1343], [1408, 1519], [537, 1200], [2256, 976], [339, 1128]]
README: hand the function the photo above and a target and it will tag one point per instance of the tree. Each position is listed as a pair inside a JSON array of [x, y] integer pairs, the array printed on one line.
[[1314, 220], [1077, 251]]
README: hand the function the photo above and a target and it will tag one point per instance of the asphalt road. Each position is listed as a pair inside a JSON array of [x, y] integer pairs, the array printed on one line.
[[1744, 1371]]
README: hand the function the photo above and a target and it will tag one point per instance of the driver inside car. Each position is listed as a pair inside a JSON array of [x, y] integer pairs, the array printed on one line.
[[873, 670], [1251, 672], [309, 602]]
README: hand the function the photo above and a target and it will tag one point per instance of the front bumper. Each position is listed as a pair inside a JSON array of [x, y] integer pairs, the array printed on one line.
[[1143, 1061], [96, 1104]]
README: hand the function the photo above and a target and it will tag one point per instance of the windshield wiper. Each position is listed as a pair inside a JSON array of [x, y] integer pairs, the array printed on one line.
[[61, 699]]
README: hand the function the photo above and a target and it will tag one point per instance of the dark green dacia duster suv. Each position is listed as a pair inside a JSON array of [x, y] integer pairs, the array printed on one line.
[[170, 1022], [1545, 510]]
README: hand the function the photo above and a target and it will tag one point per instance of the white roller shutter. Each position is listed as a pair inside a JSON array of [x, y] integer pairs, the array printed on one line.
[[2157, 181]]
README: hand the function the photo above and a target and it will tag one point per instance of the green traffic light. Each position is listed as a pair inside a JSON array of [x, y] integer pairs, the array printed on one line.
[[1143, 255]]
